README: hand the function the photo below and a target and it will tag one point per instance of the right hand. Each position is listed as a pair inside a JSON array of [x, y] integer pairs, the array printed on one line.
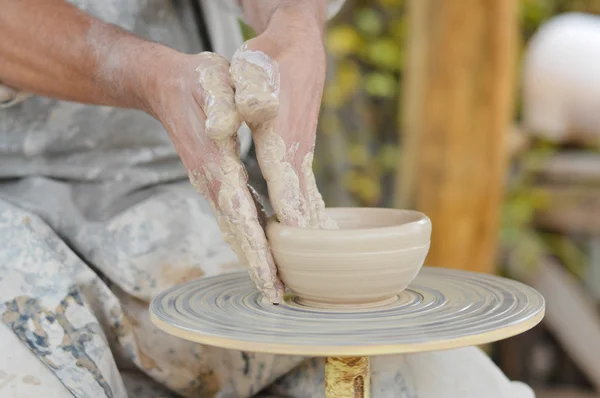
[[279, 77], [195, 103]]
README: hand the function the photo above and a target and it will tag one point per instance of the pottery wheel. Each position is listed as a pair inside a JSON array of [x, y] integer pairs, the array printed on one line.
[[441, 309]]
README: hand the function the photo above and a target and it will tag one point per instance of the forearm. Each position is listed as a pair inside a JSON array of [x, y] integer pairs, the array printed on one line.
[[51, 48]]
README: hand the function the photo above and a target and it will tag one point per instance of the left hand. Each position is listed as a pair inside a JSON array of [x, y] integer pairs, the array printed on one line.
[[278, 78]]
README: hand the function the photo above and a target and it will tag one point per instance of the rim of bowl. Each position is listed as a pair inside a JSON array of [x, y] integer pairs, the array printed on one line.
[[313, 233]]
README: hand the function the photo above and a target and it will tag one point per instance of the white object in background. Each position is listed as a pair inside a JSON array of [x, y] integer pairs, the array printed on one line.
[[561, 79]]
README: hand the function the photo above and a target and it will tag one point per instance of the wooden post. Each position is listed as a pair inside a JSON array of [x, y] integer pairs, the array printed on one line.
[[457, 112], [347, 377]]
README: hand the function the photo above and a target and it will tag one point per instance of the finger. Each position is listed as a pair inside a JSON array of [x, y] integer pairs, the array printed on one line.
[[263, 217], [273, 293], [201, 182], [230, 238], [255, 77], [267, 283], [316, 206], [224, 178], [221, 123], [283, 181], [240, 214], [222, 117]]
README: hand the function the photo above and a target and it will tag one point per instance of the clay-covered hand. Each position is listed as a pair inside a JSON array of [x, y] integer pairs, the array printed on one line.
[[197, 109], [278, 78]]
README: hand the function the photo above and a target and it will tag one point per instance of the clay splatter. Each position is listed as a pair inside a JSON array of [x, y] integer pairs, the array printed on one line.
[[29, 379]]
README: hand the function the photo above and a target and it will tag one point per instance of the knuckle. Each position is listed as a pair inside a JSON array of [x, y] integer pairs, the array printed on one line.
[[257, 107], [223, 126], [207, 57]]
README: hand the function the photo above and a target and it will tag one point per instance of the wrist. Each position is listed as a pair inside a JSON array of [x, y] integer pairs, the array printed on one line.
[[155, 73], [152, 70], [260, 13]]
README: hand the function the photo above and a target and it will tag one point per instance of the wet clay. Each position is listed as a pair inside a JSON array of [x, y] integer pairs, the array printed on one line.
[[318, 216], [223, 179], [249, 90], [367, 262], [256, 78]]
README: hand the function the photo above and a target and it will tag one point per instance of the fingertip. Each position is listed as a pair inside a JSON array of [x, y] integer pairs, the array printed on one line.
[[256, 79], [214, 57], [294, 219], [276, 294], [273, 297]]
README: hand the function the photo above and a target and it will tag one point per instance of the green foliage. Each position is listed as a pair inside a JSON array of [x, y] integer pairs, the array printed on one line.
[[369, 22], [381, 84], [533, 14], [360, 103], [247, 31], [520, 241], [385, 53]]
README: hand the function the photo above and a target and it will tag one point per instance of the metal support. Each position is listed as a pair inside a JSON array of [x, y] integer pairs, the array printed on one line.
[[347, 377]]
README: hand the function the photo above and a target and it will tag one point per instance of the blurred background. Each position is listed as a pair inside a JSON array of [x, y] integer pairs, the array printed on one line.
[[485, 115], [432, 105]]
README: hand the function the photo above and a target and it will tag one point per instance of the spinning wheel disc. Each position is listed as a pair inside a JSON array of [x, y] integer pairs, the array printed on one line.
[[441, 309]]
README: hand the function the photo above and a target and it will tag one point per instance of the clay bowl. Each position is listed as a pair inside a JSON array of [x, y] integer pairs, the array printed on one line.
[[372, 258]]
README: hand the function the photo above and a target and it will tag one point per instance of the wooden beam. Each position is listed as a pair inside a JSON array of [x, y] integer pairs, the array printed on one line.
[[457, 115]]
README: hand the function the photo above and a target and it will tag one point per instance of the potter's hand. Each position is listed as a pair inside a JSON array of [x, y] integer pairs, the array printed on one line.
[[85, 60], [279, 78], [197, 109]]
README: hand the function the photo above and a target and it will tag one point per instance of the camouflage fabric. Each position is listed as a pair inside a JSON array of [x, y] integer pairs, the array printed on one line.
[[96, 217]]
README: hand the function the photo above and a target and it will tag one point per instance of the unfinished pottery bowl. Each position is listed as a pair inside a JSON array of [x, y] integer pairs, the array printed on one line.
[[373, 257]]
